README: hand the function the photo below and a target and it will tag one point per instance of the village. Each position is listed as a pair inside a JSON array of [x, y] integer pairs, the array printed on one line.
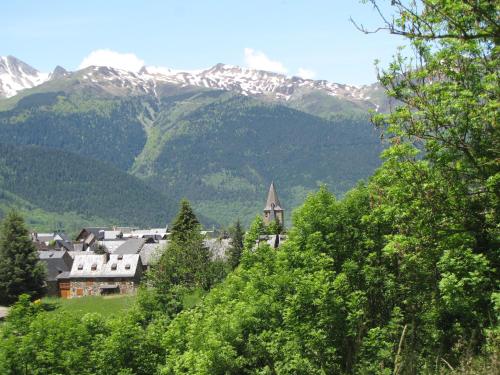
[[113, 260]]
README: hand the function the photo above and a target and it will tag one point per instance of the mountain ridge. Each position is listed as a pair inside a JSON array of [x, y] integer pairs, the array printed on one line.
[[244, 81]]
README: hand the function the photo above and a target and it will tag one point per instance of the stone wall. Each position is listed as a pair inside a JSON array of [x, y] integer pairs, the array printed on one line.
[[97, 287]]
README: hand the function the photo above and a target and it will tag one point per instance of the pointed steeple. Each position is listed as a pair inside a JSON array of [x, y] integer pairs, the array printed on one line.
[[273, 209], [272, 203]]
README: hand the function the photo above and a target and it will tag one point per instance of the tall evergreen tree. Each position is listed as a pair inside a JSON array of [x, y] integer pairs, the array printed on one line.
[[20, 270], [236, 245], [185, 264], [185, 222]]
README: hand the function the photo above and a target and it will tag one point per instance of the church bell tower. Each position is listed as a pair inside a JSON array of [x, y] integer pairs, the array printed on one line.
[[273, 209]]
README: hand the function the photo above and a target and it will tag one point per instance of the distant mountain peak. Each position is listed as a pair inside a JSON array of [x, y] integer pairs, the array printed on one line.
[[58, 72], [16, 75]]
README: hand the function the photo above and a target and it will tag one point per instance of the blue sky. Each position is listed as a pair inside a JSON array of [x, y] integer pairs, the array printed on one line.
[[311, 38]]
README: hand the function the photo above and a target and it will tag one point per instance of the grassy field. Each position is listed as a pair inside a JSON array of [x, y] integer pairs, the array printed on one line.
[[104, 305]]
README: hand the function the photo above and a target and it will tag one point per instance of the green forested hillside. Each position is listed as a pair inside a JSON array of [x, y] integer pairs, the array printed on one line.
[[58, 188], [223, 155], [218, 149], [399, 277], [102, 129]]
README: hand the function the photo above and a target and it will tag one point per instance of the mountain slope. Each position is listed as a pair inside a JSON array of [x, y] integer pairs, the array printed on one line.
[[60, 182], [248, 82], [224, 154], [16, 75], [219, 148]]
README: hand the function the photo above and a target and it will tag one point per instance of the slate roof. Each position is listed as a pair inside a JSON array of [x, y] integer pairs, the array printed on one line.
[[112, 245], [63, 275], [56, 262], [63, 244], [218, 247], [82, 265], [62, 236], [77, 247], [97, 232], [112, 234], [97, 266], [150, 252], [45, 237], [273, 202], [126, 265], [131, 246]]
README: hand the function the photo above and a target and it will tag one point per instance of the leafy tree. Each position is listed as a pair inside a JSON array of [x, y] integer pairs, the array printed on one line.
[[20, 269], [257, 228], [275, 227], [236, 249]]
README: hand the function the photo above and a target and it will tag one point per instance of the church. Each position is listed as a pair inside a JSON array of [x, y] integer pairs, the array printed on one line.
[[273, 209]]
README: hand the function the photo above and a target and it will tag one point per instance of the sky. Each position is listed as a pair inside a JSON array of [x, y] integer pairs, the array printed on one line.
[[308, 38]]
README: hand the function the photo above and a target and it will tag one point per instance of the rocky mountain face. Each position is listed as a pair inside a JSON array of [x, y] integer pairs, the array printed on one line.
[[15, 75]]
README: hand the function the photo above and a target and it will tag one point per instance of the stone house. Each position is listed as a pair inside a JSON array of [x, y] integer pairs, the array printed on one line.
[[93, 274], [58, 263]]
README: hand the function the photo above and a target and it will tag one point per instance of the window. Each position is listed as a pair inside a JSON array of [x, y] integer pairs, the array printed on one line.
[[127, 266], [80, 267], [113, 267], [120, 257], [94, 267]]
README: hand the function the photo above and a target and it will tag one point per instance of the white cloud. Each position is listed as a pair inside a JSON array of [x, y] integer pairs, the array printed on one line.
[[258, 60], [306, 73], [106, 57]]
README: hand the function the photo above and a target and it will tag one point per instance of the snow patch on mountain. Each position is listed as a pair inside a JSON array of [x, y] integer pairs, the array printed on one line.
[[16, 75]]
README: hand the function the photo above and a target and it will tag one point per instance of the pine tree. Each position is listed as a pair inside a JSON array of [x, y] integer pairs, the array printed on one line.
[[186, 262], [185, 222], [237, 245], [20, 270]]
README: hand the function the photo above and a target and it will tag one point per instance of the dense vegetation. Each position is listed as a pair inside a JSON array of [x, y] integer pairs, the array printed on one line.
[[223, 155], [62, 182], [218, 149], [20, 270], [399, 277], [101, 129]]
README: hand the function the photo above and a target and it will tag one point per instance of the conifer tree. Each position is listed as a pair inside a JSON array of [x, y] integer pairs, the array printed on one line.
[[185, 222], [185, 263], [237, 245], [20, 270]]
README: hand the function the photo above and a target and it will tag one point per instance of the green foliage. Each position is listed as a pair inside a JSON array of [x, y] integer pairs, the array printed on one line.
[[20, 270], [167, 143], [398, 277], [78, 125], [105, 306], [275, 227], [185, 223], [256, 229], [184, 266], [93, 190], [236, 249]]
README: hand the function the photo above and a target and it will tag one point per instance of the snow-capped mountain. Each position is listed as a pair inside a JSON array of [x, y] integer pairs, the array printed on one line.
[[223, 77], [16, 75]]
